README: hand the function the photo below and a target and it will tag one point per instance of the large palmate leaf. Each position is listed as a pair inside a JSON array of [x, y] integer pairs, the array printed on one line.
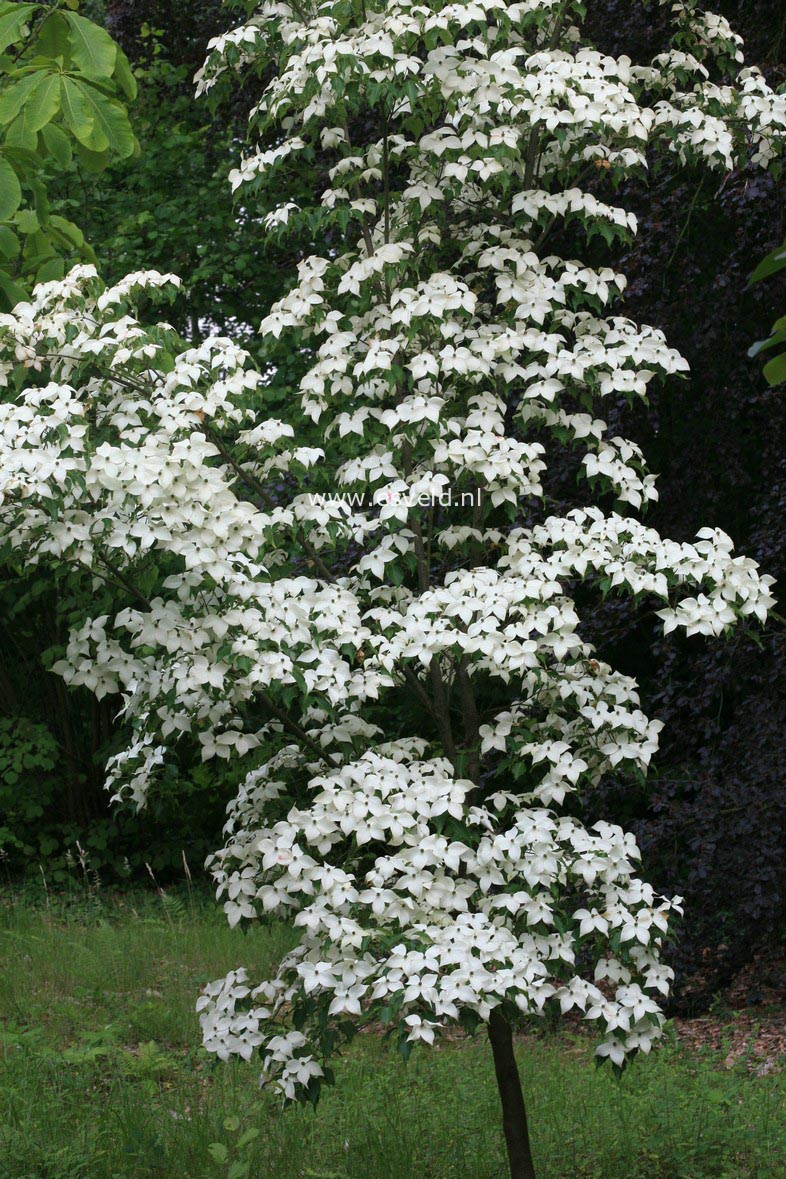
[[770, 265], [35, 100], [78, 116], [775, 369], [123, 75], [56, 144], [10, 190], [59, 75], [43, 103], [54, 40], [18, 93], [13, 18], [109, 119], [92, 49]]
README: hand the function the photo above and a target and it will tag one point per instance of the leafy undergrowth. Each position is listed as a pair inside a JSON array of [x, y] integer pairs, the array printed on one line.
[[102, 1077]]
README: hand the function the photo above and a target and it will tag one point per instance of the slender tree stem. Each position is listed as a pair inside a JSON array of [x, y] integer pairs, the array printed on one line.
[[293, 727], [469, 714], [442, 709], [119, 578], [439, 693], [514, 1115], [419, 690], [386, 181], [266, 498]]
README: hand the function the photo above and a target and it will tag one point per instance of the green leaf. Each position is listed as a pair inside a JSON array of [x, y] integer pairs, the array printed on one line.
[[92, 49], [10, 190], [15, 97], [249, 1136], [40, 199], [775, 371], [66, 229], [9, 242], [44, 102], [404, 1047], [57, 144], [778, 337], [13, 18], [110, 119], [218, 1152], [27, 222], [19, 135], [92, 161], [769, 265], [12, 294], [31, 103], [124, 77], [53, 269], [79, 118], [53, 40]]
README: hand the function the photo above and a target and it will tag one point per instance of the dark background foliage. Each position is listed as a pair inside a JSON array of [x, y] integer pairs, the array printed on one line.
[[711, 821], [712, 824]]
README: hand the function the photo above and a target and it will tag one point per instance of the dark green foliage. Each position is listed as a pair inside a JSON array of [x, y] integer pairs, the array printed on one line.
[[63, 88], [28, 755], [186, 26], [711, 821], [775, 368], [38, 833], [54, 744], [172, 210]]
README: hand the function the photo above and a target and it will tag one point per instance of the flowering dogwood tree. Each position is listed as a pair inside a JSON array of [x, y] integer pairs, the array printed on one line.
[[392, 645]]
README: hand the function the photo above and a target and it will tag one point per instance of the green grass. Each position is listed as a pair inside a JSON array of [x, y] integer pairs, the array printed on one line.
[[102, 1077]]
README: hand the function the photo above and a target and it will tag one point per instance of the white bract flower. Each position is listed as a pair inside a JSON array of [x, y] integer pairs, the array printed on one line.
[[366, 607]]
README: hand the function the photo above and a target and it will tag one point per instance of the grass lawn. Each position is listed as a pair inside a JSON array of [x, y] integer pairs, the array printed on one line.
[[102, 1077]]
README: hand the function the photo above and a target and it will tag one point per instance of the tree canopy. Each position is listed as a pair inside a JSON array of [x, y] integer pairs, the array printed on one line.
[[713, 807]]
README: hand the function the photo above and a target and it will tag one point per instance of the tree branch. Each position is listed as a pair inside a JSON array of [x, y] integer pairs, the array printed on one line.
[[293, 727]]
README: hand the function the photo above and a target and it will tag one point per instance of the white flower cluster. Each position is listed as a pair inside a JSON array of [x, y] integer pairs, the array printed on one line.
[[390, 642], [459, 916]]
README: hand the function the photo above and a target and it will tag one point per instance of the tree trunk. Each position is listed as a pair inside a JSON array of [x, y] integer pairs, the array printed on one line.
[[514, 1115]]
